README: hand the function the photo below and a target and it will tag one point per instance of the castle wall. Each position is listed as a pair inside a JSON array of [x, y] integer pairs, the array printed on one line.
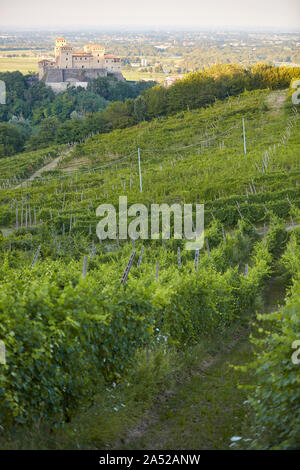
[[59, 87], [54, 75]]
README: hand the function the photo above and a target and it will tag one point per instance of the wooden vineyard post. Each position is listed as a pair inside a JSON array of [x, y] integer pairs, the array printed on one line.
[[292, 222], [58, 248], [127, 269], [141, 255], [178, 257], [22, 213], [140, 171], [93, 252], [239, 210], [196, 260], [36, 256], [84, 266], [17, 217], [246, 269], [244, 135], [288, 199]]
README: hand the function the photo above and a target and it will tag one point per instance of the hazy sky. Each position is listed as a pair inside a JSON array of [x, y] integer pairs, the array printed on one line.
[[270, 13]]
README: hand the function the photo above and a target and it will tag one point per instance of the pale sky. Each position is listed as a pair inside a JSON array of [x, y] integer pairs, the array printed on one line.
[[218, 13]]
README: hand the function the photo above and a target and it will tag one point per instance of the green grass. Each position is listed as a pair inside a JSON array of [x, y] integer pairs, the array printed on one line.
[[203, 412], [21, 64], [136, 75]]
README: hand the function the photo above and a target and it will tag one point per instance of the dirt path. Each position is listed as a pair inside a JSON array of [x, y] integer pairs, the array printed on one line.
[[208, 408], [50, 166], [276, 100], [201, 412]]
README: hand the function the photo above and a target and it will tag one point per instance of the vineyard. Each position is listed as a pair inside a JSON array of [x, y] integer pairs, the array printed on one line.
[[67, 321]]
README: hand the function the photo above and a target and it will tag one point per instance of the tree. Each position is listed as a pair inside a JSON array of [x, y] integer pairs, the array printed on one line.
[[89, 102], [140, 109], [118, 116], [11, 140], [156, 99], [46, 135]]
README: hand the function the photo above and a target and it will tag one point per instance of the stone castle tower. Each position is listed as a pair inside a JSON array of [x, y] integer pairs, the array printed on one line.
[[76, 68]]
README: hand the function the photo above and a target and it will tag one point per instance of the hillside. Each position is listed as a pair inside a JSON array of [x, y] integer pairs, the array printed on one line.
[[195, 156], [68, 334]]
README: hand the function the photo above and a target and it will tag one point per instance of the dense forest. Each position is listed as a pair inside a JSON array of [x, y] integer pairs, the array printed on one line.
[[35, 117]]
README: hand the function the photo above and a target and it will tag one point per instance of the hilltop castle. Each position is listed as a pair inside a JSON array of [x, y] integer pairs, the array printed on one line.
[[76, 68]]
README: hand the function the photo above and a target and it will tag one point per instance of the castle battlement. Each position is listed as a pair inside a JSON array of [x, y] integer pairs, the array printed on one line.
[[77, 67]]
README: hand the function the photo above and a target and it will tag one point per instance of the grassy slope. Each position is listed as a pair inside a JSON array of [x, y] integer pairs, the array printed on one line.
[[173, 173], [198, 171]]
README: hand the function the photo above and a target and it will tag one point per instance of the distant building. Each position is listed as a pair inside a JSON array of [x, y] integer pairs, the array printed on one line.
[[77, 68], [170, 80], [286, 64]]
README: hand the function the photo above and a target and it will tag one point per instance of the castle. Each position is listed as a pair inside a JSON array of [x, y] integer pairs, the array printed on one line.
[[77, 68]]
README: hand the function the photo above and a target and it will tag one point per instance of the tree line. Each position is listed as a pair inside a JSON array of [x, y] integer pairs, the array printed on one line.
[[33, 113]]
